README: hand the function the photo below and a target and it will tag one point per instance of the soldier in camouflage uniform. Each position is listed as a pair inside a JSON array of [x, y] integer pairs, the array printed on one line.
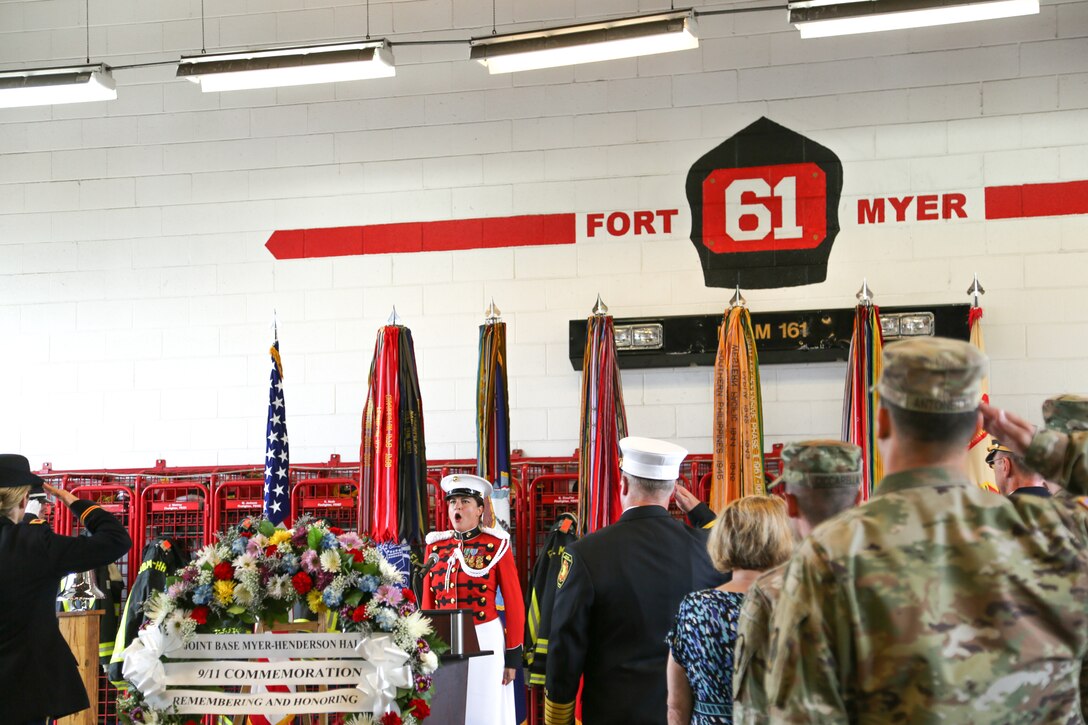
[[1059, 453], [821, 479], [936, 601]]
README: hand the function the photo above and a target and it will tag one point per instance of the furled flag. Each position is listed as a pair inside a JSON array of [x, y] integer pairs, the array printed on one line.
[[860, 399], [277, 488], [737, 411], [493, 416], [977, 468], [604, 423]]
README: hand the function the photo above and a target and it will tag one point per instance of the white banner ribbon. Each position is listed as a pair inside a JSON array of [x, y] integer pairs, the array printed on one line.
[[270, 645], [203, 702], [308, 672], [390, 671], [143, 662]]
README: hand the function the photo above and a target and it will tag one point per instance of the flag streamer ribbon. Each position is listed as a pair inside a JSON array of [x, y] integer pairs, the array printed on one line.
[[392, 452], [977, 469], [860, 399], [737, 412], [493, 414], [603, 424]]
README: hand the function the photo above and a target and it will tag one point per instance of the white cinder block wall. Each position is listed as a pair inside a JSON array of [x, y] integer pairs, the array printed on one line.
[[136, 292]]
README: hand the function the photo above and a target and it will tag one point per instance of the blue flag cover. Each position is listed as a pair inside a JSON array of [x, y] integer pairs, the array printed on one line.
[[277, 488]]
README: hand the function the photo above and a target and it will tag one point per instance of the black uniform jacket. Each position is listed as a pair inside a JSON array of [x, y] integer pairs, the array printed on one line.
[[38, 674], [618, 592]]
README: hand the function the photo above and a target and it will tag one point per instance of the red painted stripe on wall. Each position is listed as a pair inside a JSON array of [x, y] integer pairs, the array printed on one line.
[[1031, 200], [515, 231]]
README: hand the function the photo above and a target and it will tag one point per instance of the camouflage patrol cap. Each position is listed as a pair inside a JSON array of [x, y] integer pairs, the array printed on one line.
[[1066, 413], [820, 464], [933, 375]]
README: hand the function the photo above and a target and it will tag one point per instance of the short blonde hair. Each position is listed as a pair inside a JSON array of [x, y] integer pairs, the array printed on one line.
[[10, 498], [751, 533]]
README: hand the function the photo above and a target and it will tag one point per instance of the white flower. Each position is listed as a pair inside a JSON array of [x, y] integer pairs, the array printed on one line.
[[245, 562], [243, 595], [330, 560], [179, 624], [151, 717], [158, 606], [208, 555], [364, 718], [415, 625], [428, 662], [390, 574], [260, 540], [279, 587]]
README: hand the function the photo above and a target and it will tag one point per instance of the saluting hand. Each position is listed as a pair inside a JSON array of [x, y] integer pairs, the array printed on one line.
[[1009, 428], [66, 497], [685, 499]]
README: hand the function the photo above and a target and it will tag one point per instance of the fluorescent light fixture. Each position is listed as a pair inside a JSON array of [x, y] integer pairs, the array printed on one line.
[[46, 86], [587, 43], [289, 66], [823, 18]]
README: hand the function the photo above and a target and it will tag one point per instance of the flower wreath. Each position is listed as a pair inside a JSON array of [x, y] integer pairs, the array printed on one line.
[[258, 573]]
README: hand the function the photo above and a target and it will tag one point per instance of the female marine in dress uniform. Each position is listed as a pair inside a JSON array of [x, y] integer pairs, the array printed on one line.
[[473, 563]]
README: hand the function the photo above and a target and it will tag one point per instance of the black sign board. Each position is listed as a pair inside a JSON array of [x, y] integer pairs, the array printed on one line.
[[781, 337]]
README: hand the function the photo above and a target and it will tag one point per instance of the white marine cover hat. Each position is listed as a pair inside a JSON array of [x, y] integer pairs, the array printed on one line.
[[651, 458], [465, 484]]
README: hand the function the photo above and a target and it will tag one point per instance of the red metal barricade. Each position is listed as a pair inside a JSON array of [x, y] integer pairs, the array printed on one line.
[[235, 497], [177, 509], [334, 499], [547, 496]]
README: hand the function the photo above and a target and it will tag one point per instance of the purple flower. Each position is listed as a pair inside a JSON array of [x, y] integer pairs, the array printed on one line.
[[309, 561], [188, 574], [324, 578], [389, 594]]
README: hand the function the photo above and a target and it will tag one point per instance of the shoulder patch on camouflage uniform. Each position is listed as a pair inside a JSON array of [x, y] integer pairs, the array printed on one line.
[[564, 569], [1082, 500]]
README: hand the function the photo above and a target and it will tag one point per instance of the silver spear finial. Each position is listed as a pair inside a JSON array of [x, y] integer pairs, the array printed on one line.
[[737, 300], [600, 309], [865, 295], [493, 314], [975, 290], [394, 318]]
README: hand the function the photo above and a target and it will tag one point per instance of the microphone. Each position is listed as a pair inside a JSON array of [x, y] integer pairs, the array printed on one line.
[[431, 561]]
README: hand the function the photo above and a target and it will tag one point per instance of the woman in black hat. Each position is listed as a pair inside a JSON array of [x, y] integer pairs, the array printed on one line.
[[39, 676]]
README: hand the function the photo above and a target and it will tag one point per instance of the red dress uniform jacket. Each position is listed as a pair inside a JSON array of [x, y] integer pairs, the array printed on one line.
[[470, 569]]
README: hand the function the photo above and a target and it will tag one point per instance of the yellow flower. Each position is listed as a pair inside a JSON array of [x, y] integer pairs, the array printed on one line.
[[224, 591], [316, 604], [279, 537]]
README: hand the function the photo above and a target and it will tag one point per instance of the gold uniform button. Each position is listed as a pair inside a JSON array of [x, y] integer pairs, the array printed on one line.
[[483, 587], [483, 600], [480, 615], [490, 547], [487, 558]]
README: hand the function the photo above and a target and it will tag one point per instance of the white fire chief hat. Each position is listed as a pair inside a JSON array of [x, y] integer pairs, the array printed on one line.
[[651, 458]]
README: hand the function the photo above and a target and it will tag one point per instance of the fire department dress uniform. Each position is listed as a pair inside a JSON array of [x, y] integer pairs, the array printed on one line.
[[618, 590], [38, 674], [471, 568]]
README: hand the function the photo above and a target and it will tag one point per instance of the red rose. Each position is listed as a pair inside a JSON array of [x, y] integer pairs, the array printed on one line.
[[391, 718], [200, 614], [224, 571], [336, 530], [245, 534], [419, 708], [409, 595], [359, 615], [302, 582], [270, 550], [357, 555]]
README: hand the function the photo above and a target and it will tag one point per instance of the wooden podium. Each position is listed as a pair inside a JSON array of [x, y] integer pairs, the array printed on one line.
[[80, 631], [449, 701]]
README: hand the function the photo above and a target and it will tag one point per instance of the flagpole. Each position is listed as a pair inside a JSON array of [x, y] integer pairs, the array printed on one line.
[[977, 468]]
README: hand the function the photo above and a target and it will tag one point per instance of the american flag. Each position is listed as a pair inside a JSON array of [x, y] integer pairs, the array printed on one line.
[[277, 493]]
